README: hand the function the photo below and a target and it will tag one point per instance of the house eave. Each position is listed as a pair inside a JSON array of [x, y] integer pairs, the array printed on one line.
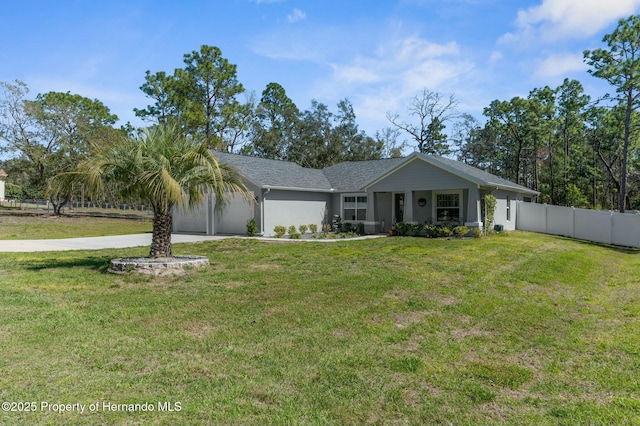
[[293, 188], [519, 189]]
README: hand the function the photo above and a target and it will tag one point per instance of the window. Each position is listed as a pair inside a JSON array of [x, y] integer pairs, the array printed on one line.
[[508, 207], [448, 207], [354, 208]]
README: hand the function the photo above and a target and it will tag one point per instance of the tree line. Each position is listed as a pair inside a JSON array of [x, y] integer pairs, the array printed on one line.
[[574, 150]]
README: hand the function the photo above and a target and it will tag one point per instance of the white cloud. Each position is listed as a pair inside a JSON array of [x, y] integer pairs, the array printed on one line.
[[496, 56], [386, 79], [409, 64], [295, 16], [558, 19], [379, 70], [290, 46], [560, 65], [437, 75], [355, 73], [415, 49]]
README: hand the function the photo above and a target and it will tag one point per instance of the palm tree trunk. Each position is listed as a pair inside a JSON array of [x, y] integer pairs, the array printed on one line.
[[161, 239]]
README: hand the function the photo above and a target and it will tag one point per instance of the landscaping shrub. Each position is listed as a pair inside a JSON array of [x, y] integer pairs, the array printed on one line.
[[477, 233], [350, 234], [431, 230], [346, 227], [444, 231], [401, 227], [489, 212], [313, 228], [303, 229], [415, 229], [292, 230], [326, 227], [360, 228], [460, 231], [252, 227], [280, 231]]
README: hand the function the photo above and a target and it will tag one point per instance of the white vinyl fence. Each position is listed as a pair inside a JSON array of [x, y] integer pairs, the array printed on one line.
[[622, 229]]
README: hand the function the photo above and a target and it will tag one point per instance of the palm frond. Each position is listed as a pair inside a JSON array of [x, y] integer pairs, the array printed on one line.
[[161, 166]]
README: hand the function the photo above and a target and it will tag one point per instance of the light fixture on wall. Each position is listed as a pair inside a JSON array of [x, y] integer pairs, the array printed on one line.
[[422, 202]]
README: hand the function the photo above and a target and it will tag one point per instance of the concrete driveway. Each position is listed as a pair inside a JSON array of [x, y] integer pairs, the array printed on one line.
[[95, 243]]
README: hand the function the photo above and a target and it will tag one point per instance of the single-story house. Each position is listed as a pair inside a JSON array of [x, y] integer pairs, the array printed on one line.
[[418, 188]]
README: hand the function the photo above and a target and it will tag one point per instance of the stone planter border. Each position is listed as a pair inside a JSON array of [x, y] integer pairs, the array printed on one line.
[[157, 266]]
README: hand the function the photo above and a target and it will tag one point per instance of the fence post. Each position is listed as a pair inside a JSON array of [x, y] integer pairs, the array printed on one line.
[[610, 226], [573, 222]]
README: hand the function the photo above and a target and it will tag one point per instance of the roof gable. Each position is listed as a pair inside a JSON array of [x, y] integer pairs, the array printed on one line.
[[459, 169]]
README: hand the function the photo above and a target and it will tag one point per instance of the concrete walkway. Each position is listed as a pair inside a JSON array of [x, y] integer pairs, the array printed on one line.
[[134, 240], [95, 243]]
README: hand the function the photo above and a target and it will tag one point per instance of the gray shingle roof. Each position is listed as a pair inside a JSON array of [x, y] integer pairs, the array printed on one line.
[[276, 173], [355, 175], [476, 175], [348, 176]]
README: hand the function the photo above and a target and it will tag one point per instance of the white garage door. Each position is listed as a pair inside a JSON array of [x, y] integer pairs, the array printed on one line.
[[234, 217]]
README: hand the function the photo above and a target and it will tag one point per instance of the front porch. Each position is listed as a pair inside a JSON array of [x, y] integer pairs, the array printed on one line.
[[379, 210]]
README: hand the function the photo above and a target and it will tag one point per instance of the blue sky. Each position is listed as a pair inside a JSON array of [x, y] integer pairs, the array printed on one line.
[[377, 53]]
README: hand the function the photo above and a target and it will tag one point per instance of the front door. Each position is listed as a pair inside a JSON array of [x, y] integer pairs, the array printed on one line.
[[398, 207]]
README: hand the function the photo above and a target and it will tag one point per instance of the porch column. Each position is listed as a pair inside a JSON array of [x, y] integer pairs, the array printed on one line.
[[371, 214], [474, 211], [408, 206], [370, 225]]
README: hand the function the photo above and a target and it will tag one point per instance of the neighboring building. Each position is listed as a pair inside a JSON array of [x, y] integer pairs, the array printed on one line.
[[3, 177], [418, 188]]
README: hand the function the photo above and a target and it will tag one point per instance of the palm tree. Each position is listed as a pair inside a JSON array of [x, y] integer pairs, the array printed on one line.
[[162, 167]]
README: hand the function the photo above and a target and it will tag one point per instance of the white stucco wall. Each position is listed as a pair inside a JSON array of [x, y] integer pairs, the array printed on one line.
[[286, 208], [500, 217]]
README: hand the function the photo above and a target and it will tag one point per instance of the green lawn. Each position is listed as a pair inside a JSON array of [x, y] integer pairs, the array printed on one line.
[[519, 328], [47, 226]]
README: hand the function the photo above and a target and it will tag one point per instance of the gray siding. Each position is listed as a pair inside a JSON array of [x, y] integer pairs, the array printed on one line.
[[424, 213], [384, 209], [419, 175], [335, 206]]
